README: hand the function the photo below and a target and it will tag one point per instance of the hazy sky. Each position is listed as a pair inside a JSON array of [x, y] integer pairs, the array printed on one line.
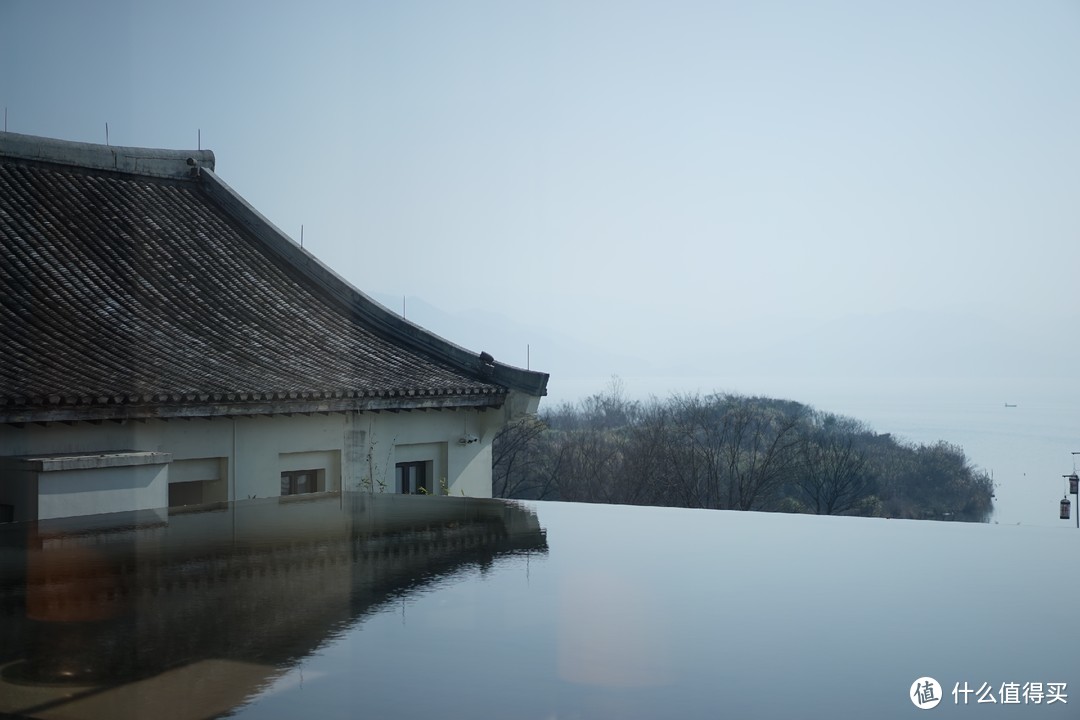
[[834, 202], [651, 178]]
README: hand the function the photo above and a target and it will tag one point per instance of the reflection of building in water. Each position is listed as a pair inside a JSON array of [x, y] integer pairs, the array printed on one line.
[[259, 584], [164, 344]]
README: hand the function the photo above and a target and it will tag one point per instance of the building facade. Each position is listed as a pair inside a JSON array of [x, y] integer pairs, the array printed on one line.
[[166, 345]]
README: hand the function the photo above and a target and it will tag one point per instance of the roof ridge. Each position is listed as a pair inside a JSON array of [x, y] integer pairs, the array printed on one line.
[[155, 162]]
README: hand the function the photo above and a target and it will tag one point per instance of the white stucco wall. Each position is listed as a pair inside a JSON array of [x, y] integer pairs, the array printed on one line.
[[357, 450], [89, 492], [390, 438]]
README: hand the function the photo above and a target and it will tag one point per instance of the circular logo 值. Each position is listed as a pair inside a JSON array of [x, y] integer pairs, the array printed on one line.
[[925, 693]]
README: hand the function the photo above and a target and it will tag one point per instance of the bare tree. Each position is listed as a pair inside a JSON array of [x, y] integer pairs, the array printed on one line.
[[760, 449], [834, 472], [701, 436], [732, 452], [526, 461], [646, 465], [513, 447]]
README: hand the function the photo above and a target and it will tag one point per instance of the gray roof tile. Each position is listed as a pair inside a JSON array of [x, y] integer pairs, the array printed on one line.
[[118, 288]]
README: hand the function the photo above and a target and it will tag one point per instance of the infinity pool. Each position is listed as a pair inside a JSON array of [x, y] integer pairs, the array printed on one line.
[[434, 607]]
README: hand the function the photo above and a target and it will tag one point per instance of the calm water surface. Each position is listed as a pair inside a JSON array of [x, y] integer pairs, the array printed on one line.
[[412, 607]]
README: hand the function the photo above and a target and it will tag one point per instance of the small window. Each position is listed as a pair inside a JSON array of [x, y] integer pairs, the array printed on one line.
[[300, 482], [197, 492], [185, 493], [411, 478]]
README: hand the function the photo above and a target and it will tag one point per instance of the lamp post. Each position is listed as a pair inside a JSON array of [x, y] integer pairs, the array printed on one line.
[[1074, 489], [1074, 480]]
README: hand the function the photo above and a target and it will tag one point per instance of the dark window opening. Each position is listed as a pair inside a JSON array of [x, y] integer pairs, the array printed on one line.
[[300, 482], [412, 478]]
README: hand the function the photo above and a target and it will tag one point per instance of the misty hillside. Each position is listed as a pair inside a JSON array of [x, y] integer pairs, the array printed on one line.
[[542, 349], [901, 344], [895, 344]]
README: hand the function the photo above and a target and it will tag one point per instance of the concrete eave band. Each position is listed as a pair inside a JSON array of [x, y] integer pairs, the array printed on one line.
[[84, 461], [140, 161]]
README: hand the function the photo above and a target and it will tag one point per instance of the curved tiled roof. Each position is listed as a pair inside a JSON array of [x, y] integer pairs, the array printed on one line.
[[127, 290]]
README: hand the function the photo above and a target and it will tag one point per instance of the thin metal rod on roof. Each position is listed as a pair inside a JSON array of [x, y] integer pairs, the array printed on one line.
[[199, 130], [301, 235], [5, 118], [106, 133], [402, 306], [528, 352]]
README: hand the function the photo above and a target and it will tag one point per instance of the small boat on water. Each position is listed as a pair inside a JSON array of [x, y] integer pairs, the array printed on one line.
[[1009, 405]]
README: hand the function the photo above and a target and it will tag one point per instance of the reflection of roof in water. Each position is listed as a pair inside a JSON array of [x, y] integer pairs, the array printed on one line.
[[263, 581]]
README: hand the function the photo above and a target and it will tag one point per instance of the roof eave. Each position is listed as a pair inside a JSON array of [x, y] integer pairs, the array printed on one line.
[[365, 309], [199, 165]]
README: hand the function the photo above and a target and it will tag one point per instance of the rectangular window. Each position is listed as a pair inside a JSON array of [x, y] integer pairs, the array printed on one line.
[[198, 481], [300, 482], [304, 473], [411, 478], [186, 493]]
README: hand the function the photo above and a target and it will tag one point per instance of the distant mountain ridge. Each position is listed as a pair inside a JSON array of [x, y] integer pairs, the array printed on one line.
[[902, 343], [908, 343], [517, 344]]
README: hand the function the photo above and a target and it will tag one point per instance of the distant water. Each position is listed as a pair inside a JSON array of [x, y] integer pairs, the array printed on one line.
[[1027, 448]]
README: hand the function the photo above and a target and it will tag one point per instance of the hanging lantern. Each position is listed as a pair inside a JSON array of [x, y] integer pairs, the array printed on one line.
[[1065, 505], [1074, 482]]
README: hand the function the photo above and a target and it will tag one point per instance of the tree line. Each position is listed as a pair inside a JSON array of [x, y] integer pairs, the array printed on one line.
[[732, 452]]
